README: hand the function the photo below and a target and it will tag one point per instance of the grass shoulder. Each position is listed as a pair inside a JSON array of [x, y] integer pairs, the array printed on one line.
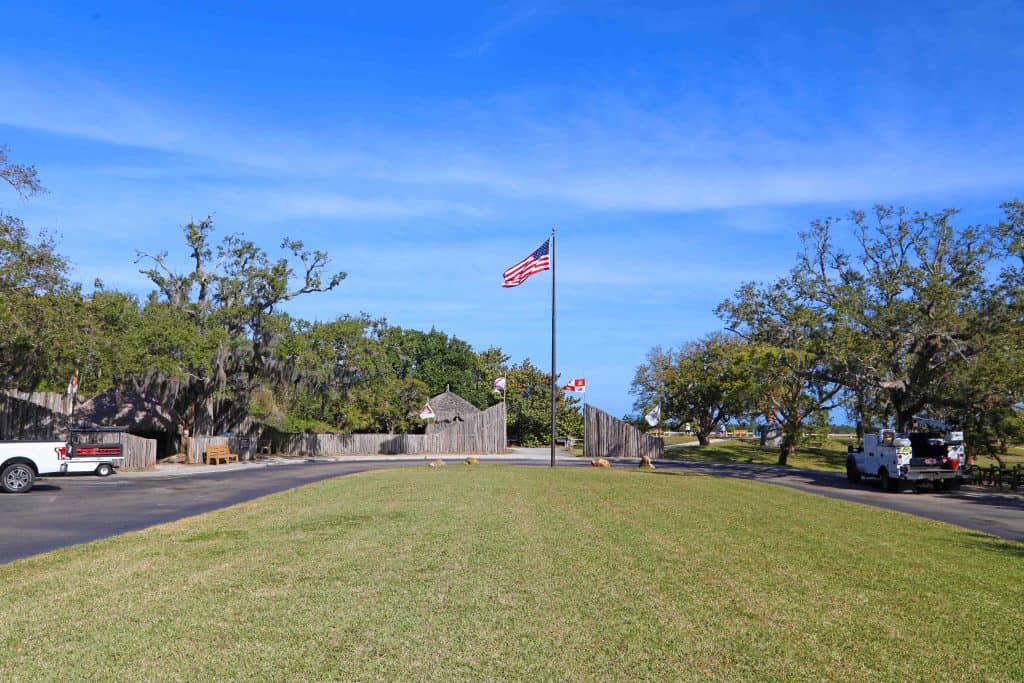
[[831, 455]]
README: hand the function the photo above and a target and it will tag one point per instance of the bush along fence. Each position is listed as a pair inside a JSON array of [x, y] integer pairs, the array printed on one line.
[[608, 437], [483, 433]]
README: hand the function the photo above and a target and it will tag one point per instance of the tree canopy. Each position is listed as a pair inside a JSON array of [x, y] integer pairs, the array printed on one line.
[[214, 342], [892, 314]]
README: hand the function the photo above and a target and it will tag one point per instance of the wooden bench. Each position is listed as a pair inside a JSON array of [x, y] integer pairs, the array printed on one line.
[[218, 454]]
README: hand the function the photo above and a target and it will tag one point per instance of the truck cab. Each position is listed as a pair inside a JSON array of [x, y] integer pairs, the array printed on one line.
[[898, 458], [21, 462]]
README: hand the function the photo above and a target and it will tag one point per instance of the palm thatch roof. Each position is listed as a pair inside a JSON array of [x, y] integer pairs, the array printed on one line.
[[449, 407], [134, 411]]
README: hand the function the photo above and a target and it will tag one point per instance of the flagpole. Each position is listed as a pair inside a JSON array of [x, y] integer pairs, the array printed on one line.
[[554, 380], [585, 414]]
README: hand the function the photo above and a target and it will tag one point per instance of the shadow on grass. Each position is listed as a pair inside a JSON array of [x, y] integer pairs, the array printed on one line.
[[992, 544]]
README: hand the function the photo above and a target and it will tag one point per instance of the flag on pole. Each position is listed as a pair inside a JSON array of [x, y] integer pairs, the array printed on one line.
[[536, 262], [498, 386], [576, 385], [427, 413], [654, 417], [73, 383]]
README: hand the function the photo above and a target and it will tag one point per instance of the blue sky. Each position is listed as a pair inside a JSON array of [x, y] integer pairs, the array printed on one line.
[[678, 149]]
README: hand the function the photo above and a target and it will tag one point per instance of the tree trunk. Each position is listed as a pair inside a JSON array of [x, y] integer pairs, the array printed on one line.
[[860, 416], [702, 438], [787, 449]]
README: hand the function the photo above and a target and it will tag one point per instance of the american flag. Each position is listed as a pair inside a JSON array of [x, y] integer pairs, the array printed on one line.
[[536, 262]]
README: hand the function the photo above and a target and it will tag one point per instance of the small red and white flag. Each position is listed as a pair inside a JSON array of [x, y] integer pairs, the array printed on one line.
[[73, 384], [498, 386], [427, 413], [536, 262], [577, 385]]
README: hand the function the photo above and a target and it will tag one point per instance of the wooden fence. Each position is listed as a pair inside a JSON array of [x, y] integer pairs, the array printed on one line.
[[43, 415], [481, 434], [139, 453], [32, 416], [608, 437], [245, 446]]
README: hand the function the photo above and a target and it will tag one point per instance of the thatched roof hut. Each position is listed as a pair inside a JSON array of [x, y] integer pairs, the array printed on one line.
[[449, 407], [140, 414], [114, 408]]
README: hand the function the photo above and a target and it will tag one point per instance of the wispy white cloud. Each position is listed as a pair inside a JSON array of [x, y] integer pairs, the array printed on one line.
[[341, 206], [520, 15], [607, 155]]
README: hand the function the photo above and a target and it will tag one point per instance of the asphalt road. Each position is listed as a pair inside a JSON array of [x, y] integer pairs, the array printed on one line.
[[62, 511], [979, 509]]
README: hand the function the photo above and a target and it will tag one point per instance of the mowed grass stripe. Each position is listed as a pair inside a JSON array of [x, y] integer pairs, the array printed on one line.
[[502, 572]]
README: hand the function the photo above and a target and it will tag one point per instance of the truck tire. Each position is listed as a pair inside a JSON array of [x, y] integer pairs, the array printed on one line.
[[889, 485], [852, 473], [104, 470], [17, 478]]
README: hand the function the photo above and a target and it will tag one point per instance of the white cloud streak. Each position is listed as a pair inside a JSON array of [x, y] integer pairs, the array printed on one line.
[[608, 156]]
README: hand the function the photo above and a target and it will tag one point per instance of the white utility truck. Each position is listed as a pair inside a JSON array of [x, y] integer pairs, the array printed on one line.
[[898, 459], [22, 461]]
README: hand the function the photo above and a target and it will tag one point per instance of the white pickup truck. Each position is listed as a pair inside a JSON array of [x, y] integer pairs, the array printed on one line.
[[22, 461], [899, 458]]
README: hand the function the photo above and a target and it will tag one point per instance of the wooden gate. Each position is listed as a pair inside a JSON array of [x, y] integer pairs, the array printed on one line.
[[608, 437]]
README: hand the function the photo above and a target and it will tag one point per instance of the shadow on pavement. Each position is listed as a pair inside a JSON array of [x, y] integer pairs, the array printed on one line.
[[43, 488]]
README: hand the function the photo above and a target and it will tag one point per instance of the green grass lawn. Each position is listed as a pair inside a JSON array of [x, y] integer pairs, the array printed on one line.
[[830, 456], [1014, 456], [498, 572], [673, 439]]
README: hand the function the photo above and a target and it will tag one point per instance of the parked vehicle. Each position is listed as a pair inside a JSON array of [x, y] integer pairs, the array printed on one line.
[[21, 462], [897, 459]]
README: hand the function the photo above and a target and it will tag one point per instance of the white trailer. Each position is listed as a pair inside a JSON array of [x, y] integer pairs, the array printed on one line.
[[898, 458], [98, 458]]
